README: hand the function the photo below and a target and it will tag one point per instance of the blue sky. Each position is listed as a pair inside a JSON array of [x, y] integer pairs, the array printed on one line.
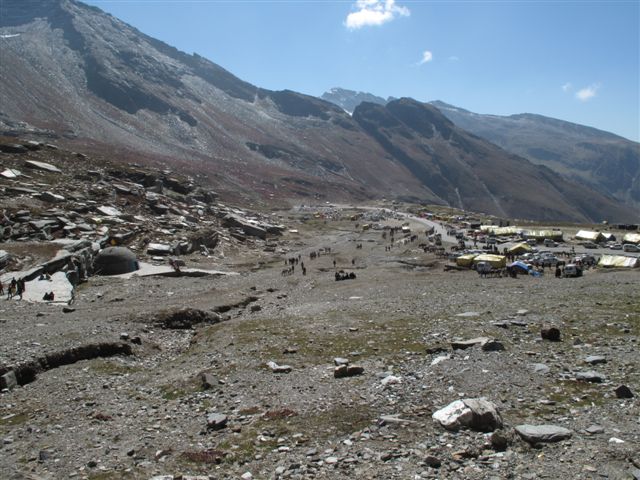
[[574, 60]]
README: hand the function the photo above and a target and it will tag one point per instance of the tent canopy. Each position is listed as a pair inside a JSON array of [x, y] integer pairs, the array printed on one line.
[[542, 234], [589, 235], [631, 238], [520, 248], [500, 231], [496, 261], [465, 260], [618, 261], [521, 265]]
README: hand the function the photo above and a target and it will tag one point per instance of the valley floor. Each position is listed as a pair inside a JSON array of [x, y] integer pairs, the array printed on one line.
[[142, 415]]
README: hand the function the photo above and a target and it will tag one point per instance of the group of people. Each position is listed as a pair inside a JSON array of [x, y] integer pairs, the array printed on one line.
[[14, 288]]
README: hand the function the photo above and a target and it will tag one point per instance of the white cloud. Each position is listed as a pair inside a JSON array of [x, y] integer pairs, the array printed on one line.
[[453, 58], [427, 56], [566, 87], [587, 93], [373, 13]]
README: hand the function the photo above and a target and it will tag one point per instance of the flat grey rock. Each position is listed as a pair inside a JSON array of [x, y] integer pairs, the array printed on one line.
[[595, 359], [275, 368], [540, 368], [42, 166], [216, 421], [543, 433], [590, 376], [464, 344], [594, 429]]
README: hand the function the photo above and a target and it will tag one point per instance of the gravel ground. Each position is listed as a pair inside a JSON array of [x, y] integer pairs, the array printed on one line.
[[145, 414]]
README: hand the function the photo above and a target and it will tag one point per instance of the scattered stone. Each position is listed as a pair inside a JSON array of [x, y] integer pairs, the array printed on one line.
[[522, 312], [8, 380], [340, 361], [393, 419], [51, 197], [255, 308], [623, 392], [543, 433], [616, 440], [343, 371], [432, 461], [499, 440], [109, 211], [595, 359], [159, 249], [275, 368], [540, 368], [468, 314], [594, 429], [13, 148], [464, 344], [68, 309], [391, 380], [518, 323], [208, 380], [246, 476], [290, 350], [474, 413], [590, 376], [42, 166], [492, 346], [216, 421], [440, 359], [551, 333]]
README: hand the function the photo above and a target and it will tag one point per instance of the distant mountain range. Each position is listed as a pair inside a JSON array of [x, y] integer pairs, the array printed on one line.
[[350, 99], [72, 72], [592, 157]]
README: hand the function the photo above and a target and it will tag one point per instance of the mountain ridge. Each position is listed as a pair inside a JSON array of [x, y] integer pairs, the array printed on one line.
[[76, 72]]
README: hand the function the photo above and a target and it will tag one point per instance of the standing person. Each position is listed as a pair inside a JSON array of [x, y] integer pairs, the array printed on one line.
[[1, 288], [20, 288], [11, 289]]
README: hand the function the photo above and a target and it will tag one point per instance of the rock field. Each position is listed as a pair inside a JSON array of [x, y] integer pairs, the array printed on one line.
[[277, 374]]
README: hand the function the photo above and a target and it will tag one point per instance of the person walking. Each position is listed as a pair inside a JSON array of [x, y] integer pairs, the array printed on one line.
[[20, 288]]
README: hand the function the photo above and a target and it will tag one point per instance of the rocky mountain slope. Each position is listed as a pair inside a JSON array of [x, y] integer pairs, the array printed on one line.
[[469, 172], [600, 159], [72, 72], [592, 157]]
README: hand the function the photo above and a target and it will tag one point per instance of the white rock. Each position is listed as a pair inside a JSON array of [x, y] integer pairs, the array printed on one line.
[[391, 380]]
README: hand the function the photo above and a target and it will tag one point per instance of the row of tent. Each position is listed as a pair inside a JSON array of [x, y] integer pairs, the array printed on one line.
[[593, 236], [510, 231], [500, 261]]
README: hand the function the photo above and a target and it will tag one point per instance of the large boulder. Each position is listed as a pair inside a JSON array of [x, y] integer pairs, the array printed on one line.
[[115, 261], [252, 229], [474, 413]]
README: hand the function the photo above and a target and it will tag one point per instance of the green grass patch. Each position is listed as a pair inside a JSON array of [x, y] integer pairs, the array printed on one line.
[[17, 419]]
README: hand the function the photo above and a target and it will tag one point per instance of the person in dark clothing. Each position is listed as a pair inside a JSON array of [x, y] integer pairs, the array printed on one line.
[[20, 288]]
